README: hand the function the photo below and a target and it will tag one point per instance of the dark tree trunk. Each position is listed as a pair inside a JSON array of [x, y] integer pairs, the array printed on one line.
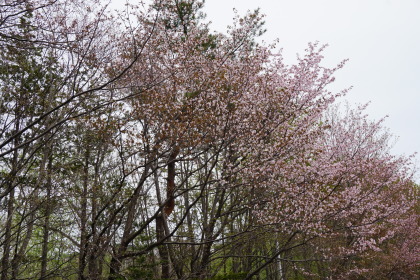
[[83, 218], [5, 262], [163, 249], [46, 231]]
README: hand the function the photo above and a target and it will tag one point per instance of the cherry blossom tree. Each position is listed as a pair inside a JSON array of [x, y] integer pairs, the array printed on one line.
[[167, 151]]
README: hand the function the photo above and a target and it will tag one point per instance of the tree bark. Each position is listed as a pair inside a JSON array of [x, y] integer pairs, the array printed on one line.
[[115, 264], [5, 262], [7, 236], [83, 217], [46, 225], [167, 210]]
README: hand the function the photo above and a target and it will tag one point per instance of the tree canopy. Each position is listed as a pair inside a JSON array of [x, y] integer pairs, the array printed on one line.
[[139, 144]]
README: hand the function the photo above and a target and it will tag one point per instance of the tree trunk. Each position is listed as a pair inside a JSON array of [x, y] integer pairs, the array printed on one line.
[[83, 218], [94, 253], [45, 227], [5, 262], [115, 264], [163, 249], [167, 210], [7, 236]]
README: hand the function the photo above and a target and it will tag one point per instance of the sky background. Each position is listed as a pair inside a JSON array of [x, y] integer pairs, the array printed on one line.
[[381, 39]]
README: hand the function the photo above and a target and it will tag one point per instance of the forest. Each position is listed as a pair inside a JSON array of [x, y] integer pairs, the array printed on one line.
[[140, 144]]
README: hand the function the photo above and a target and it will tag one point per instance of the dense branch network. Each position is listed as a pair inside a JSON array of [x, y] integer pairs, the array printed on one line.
[[138, 144]]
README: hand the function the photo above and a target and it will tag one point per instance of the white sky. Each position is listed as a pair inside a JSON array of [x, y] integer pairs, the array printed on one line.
[[380, 37]]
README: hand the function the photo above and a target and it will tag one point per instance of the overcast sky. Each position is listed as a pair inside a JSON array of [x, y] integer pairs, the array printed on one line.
[[381, 39]]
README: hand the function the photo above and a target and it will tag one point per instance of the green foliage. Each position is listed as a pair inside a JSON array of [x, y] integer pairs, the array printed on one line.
[[192, 94], [181, 14], [230, 276], [137, 269], [90, 190]]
